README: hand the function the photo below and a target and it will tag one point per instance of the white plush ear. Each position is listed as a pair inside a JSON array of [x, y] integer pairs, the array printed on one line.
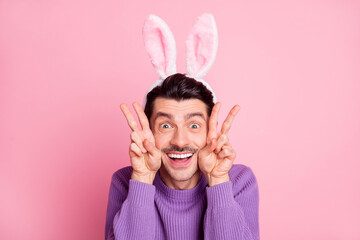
[[160, 45], [201, 46]]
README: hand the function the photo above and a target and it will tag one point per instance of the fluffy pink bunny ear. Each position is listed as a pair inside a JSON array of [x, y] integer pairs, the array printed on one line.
[[201, 46], [160, 45]]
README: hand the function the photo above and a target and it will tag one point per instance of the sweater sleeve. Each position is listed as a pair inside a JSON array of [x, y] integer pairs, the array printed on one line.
[[232, 211], [131, 210]]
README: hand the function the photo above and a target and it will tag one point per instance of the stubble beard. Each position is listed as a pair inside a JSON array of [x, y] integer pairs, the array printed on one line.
[[182, 175]]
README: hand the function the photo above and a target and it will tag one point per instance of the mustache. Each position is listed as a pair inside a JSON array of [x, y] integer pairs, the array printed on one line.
[[174, 148]]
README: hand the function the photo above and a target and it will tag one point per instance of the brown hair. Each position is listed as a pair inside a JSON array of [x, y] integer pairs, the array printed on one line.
[[179, 87]]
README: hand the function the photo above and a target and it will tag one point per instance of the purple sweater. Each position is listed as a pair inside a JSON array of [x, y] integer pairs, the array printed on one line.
[[142, 211]]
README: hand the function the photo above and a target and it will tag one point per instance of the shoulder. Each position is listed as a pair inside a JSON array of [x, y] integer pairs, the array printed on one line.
[[242, 176], [121, 178], [240, 170]]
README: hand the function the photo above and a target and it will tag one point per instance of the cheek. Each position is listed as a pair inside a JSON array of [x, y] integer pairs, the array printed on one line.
[[199, 139], [162, 140]]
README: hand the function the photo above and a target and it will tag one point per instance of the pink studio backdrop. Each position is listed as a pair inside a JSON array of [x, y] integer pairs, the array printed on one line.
[[292, 66]]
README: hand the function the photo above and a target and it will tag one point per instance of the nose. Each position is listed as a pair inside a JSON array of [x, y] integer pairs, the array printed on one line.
[[180, 138]]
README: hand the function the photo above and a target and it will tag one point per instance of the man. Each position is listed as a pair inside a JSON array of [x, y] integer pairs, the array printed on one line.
[[182, 183]]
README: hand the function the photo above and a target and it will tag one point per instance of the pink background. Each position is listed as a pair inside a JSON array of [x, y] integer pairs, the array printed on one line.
[[292, 66]]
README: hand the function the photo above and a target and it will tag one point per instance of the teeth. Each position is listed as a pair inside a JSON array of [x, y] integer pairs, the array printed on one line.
[[172, 155]]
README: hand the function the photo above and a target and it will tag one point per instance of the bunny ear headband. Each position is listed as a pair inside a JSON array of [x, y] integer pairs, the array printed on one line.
[[201, 47]]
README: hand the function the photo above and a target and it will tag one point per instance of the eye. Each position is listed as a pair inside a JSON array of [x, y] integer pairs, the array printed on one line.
[[165, 125], [194, 125]]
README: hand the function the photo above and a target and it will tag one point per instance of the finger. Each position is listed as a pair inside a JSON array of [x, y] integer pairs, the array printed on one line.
[[222, 140], [213, 121], [141, 115], [135, 137], [227, 152], [209, 148], [129, 117], [229, 119], [150, 147], [135, 149]]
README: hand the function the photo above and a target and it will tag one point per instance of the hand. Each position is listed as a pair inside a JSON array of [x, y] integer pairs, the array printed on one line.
[[144, 156], [217, 157]]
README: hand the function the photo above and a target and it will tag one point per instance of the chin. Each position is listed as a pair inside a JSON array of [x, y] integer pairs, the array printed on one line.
[[180, 174]]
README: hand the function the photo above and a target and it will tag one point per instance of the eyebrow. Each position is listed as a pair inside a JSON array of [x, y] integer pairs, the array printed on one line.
[[187, 117], [196, 114], [162, 114]]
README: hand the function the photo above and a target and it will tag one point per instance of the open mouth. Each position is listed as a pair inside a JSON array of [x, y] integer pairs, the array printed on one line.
[[180, 159]]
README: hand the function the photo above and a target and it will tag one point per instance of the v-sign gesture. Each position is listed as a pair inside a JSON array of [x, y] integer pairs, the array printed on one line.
[[144, 156], [217, 157]]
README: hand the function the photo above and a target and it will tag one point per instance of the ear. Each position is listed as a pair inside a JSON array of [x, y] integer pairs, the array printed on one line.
[[160, 45], [201, 46]]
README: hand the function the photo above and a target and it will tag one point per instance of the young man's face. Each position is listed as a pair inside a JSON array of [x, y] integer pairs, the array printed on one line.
[[180, 130]]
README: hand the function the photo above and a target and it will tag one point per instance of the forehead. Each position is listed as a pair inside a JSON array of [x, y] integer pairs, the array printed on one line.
[[179, 108]]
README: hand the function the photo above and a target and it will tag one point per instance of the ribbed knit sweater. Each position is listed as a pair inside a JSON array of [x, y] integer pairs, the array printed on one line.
[[142, 211]]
